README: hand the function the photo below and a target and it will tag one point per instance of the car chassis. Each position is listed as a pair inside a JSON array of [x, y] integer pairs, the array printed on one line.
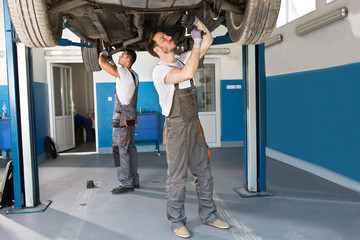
[[118, 24]]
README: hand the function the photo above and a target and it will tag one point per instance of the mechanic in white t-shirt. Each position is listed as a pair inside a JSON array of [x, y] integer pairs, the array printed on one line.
[[124, 118], [125, 86], [184, 139], [166, 91]]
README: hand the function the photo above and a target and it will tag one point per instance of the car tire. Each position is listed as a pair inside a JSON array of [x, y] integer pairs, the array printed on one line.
[[90, 58], [33, 24], [256, 24]]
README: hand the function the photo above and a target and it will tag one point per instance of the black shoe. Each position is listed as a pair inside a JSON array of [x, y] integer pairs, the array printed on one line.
[[136, 185], [120, 189]]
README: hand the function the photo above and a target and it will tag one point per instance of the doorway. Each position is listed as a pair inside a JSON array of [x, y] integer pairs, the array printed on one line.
[[63, 105], [207, 81], [73, 100]]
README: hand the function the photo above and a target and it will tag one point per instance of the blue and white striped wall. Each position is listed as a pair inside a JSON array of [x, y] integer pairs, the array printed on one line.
[[312, 118], [313, 121]]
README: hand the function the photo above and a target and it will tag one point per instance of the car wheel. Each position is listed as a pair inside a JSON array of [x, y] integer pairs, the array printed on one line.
[[255, 24], [33, 24], [90, 58]]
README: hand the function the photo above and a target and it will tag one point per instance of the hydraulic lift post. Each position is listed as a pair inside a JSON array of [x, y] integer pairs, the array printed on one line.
[[255, 122], [13, 103], [22, 123]]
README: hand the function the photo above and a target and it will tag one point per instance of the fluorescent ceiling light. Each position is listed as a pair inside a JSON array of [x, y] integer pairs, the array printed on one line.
[[274, 40], [218, 51], [322, 21], [62, 53]]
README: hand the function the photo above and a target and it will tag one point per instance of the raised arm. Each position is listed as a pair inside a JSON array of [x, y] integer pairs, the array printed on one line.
[[104, 62], [177, 75], [207, 38]]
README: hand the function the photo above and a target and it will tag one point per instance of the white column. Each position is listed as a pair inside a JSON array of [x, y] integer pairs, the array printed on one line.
[[251, 114], [26, 125]]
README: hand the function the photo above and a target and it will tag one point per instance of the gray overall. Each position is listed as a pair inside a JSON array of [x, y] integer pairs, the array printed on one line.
[[123, 140], [186, 147]]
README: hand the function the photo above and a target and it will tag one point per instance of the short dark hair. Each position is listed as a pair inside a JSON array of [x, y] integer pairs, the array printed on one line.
[[151, 44], [131, 54]]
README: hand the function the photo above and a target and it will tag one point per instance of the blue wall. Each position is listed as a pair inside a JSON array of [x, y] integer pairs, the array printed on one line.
[[104, 112], [148, 100], [5, 141], [314, 116], [232, 111], [41, 115], [41, 112], [4, 97]]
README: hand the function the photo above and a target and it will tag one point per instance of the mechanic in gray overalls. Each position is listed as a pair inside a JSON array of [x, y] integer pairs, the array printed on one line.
[[184, 137], [124, 118]]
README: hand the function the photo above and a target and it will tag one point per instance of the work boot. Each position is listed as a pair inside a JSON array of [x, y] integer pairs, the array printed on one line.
[[182, 232], [121, 189], [219, 224]]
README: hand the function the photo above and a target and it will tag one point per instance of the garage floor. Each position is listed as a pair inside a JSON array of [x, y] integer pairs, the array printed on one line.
[[304, 206]]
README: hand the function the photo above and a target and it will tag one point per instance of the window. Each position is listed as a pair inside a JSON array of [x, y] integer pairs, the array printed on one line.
[[205, 86], [293, 9]]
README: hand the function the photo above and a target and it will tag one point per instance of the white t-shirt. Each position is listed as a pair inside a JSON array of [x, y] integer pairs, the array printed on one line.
[[125, 86], [166, 91]]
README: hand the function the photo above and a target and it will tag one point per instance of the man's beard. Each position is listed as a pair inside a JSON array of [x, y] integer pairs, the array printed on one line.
[[168, 50]]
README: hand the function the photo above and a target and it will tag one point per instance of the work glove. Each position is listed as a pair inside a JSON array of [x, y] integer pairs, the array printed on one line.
[[189, 20], [197, 36], [107, 57]]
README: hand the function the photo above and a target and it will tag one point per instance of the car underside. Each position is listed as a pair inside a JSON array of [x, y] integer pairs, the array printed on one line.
[[118, 24]]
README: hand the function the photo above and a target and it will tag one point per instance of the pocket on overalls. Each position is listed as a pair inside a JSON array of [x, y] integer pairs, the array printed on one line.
[[129, 115], [188, 103], [115, 123], [130, 119], [176, 138], [119, 137], [116, 137]]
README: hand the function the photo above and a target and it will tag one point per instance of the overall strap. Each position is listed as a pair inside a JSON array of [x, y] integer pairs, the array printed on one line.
[[191, 80], [134, 78]]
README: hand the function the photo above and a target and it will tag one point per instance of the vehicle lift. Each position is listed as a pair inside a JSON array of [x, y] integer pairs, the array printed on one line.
[[255, 122], [24, 160], [254, 82]]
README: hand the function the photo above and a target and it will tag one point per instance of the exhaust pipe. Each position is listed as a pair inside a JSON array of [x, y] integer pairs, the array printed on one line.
[[140, 31]]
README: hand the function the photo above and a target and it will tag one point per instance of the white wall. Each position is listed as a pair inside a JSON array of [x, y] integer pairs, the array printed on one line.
[[335, 44], [143, 66], [3, 71], [39, 65], [231, 64]]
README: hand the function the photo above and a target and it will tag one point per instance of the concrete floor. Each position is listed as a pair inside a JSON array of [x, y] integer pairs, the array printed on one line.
[[82, 147], [304, 206]]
